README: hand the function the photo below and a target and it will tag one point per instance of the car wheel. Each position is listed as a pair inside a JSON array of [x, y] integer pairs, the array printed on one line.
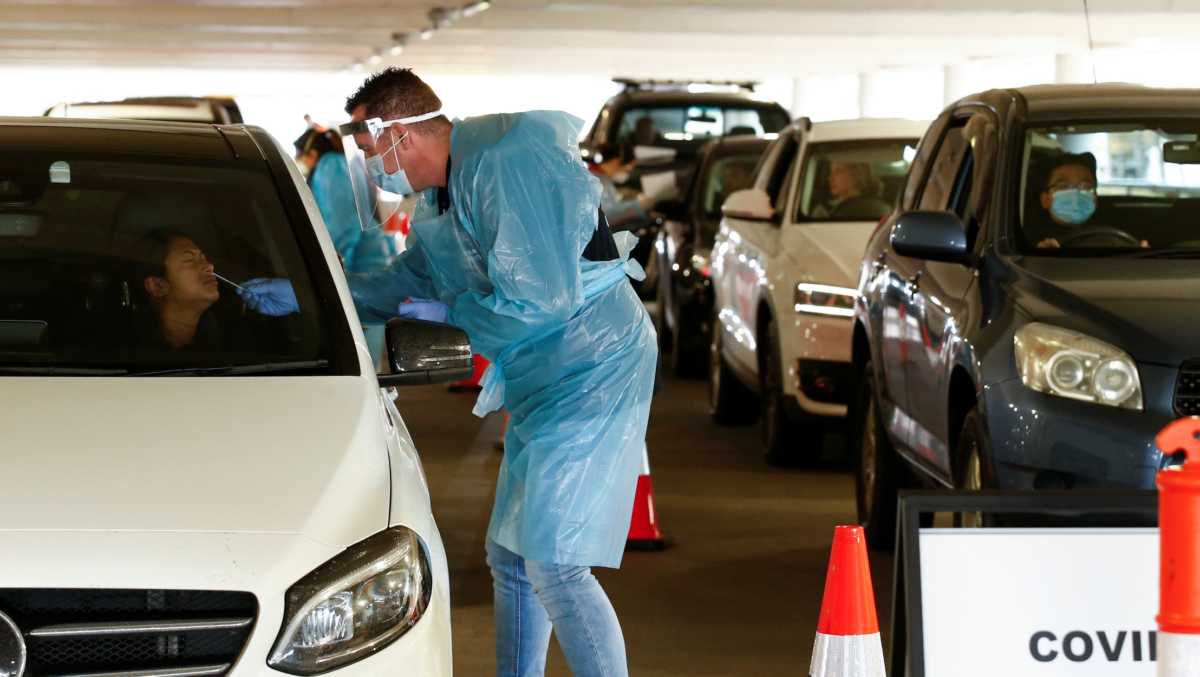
[[729, 402], [779, 438], [973, 474], [876, 480]]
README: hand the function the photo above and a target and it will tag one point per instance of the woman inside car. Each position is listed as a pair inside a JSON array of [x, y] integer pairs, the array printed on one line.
[[180, 286]]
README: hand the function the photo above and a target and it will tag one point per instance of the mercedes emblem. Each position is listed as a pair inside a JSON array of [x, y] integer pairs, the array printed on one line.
[[12, 648]]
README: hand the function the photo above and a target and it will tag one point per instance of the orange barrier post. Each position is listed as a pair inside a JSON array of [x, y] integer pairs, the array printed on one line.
[[644, 533], [480, 365], [848, 642], [1179, 552]]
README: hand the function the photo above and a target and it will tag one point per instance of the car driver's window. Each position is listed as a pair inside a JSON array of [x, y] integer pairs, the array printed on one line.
[[945, 174], [781, 175]]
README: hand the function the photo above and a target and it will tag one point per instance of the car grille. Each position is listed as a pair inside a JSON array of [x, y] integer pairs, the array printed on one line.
[[137, 633], [1187, 389]]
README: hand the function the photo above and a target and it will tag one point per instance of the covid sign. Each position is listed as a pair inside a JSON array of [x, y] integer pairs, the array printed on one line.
[[1039, 602]]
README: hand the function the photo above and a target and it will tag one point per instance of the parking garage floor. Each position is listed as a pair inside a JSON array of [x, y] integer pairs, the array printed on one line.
[[739, 588]]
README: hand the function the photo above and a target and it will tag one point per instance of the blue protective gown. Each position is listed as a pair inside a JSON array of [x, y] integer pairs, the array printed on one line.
[[361, 251], [572, 348]]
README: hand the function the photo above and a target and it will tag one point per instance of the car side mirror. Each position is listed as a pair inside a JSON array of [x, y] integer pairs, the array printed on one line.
[[750, 204], [933, 236], [421, 353]]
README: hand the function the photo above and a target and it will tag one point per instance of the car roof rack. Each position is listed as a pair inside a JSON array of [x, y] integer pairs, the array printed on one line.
[[636, 84]]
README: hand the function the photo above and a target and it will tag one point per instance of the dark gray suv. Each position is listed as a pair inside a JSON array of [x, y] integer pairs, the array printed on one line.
[[1027, 316]]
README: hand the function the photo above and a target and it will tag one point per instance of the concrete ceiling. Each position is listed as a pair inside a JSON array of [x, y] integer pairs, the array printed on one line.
[[644, 38]]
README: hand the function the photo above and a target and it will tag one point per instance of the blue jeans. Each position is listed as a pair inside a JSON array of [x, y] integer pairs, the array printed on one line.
[[533, 598]]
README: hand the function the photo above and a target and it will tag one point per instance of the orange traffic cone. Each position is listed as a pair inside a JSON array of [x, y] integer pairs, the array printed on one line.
[[643, 528], [848, 643], [1179, 539]]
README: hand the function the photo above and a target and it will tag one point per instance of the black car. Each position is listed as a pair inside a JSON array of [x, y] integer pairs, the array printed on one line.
[[1027, 317], [684, 244], [662, 126], [670, 116]]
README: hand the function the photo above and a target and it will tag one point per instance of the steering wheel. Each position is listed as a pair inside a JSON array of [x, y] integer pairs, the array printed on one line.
[[1100, 231]]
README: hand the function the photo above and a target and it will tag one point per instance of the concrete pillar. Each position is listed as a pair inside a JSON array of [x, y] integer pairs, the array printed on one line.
[[955, 84], [1073, 69], [865, 92], [799, 97]]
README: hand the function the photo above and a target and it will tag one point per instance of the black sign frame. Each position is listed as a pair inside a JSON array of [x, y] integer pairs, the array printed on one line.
[[906, 656]]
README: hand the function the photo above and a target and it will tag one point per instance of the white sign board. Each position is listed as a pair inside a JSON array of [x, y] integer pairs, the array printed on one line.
[[1039, 602]]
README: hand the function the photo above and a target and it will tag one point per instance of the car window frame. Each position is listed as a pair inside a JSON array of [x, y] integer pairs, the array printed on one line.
[[343, 350]]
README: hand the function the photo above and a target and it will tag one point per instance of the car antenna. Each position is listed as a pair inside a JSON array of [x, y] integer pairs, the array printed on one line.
[[1087, 17]]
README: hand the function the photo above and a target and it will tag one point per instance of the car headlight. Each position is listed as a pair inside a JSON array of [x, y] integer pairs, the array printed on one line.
[[355, 604], [824, 299], [1069, 364]]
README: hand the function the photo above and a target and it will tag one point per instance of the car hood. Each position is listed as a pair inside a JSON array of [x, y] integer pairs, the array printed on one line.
[[1149, 308], [829, 253], [232, 455]]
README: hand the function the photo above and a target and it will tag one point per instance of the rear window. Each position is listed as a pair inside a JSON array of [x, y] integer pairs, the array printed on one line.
[[666, 125], [114, 265]]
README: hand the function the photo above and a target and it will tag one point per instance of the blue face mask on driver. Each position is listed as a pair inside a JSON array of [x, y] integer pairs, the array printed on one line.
[[393, 183], [1073, 205]]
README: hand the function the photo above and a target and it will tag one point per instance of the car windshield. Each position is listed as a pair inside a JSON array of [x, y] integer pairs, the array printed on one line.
[[1104, 189], [130, 265], [724, 176], [692, 124], [853, 180]]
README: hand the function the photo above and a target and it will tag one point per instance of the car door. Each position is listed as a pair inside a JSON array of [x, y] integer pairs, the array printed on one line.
[[745, 250], [895, 321], [936, 291]]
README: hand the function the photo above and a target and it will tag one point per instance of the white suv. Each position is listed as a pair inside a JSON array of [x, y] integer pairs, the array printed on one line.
[[784, 268]]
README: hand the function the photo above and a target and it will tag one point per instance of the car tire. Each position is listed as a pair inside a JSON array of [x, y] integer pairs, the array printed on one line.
[[729, 402], [973, 472], [781, 443], [876, 478]]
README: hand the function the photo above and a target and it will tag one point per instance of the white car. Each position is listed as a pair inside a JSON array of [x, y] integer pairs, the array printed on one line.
[[205, 109], [785, 268], [234, 495]]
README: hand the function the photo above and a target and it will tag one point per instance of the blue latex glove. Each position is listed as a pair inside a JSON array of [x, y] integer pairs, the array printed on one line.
[[424, 309], [270, 296]]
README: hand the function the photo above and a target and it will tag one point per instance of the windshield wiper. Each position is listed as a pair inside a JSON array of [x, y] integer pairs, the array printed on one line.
[[40, 370], [1164, 253], [239, 369]]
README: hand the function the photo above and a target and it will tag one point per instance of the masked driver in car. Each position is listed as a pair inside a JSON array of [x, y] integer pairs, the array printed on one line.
[[1069, 197]]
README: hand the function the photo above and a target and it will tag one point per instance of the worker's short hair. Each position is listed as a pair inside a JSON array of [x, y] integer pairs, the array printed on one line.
[[394, 93]]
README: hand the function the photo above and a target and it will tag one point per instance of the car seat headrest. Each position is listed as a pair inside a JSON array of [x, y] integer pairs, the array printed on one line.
[[142, 213]]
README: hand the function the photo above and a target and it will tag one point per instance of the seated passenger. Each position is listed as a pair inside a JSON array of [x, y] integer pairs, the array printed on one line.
[[180, 285], [735, 175], [855, 193]]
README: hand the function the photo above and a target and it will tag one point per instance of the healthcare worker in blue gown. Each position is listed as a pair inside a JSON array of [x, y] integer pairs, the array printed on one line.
[[321, 158], [509, 244]]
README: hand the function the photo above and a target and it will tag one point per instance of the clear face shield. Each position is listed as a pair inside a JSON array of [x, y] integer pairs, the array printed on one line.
[[380, 184]]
